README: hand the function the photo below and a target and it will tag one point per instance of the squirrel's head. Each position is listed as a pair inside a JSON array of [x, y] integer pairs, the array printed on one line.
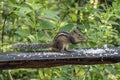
[[76, 36]]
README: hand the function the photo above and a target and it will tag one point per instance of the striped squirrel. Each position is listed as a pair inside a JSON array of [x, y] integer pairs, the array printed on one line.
[[60, 43]]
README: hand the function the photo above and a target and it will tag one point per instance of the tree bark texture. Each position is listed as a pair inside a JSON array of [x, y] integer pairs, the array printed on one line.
[[44, 59]]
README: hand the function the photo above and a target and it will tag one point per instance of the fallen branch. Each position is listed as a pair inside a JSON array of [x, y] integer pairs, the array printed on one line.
[[45, 59]]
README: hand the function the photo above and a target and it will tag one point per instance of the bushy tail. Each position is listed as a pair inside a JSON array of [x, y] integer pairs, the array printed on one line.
[[31, 46]]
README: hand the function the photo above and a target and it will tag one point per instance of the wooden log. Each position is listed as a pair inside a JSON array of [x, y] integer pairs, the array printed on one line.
[[43, 59]]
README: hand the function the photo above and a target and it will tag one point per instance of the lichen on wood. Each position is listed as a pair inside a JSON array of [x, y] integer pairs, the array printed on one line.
[[43, 59]]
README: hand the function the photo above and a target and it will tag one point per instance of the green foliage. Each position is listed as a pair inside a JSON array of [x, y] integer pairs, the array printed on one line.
[[34, 21], [67, 27], [45, 25]]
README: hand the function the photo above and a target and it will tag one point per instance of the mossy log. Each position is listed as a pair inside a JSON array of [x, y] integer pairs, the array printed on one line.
[[44, 59]]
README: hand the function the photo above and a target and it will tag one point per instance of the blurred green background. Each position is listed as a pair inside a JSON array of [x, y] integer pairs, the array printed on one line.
[[34, 21]]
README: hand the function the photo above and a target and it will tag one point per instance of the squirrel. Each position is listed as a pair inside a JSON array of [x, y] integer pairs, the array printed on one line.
[[60, 43]]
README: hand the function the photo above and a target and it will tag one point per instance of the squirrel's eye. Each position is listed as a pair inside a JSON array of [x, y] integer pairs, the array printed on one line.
[[79, 34]]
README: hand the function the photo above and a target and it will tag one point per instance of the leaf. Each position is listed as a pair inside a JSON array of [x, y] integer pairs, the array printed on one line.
[[22, 32], [73, 16], [115, 5], [50, 15], [23, 11], [113, 22], [111, 69], [32, 39], [61, 78], [11, 1], [67, 27], [34, 6], [82, 9], [43, 37], [118, 16], [45, 25]]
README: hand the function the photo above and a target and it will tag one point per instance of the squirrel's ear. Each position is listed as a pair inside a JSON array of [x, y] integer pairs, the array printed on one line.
[[76, 31], [78, 28]]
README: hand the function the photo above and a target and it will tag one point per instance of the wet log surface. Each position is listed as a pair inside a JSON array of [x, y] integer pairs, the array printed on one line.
[[43, 59]]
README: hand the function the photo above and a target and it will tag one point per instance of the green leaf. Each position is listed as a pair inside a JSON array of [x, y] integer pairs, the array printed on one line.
[[22, 32], [82, 9], [50, 15], [111, 69], [32, 39], [115, 5], [67, 27], [113, 23], [23, 11], [34, 6], [11, 1], [45, 25]]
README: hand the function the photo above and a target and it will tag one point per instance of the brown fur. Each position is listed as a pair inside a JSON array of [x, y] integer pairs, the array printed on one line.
[[62, 40]]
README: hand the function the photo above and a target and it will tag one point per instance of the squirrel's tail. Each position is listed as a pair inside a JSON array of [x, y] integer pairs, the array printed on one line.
[[31, 46]]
